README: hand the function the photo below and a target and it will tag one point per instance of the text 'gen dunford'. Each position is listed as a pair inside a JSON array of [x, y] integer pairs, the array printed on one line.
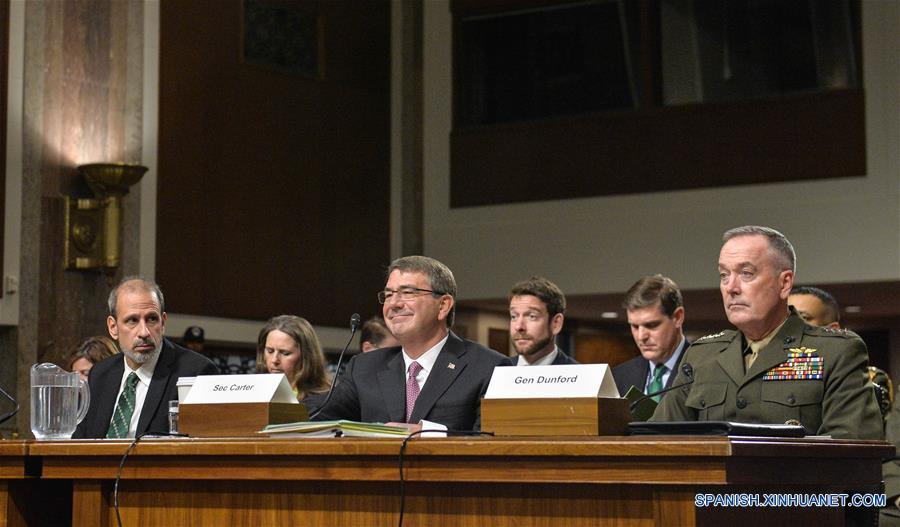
[[547, 380]]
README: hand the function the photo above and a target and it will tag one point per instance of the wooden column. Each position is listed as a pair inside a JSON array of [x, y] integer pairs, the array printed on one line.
[[82, 104]]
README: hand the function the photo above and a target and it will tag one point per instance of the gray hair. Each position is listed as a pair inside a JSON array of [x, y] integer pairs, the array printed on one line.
[[142, 284], [439, 276], [779, 245]]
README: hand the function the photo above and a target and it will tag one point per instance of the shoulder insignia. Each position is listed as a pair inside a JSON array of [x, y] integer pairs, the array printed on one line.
[[829, 332], [710, 337]]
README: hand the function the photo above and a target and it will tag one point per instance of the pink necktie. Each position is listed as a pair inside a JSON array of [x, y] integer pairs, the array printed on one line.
[[412, 388]]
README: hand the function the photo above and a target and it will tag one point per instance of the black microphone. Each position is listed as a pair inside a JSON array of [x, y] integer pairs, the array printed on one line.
[[688, 372], [354, 325], [7, 416]]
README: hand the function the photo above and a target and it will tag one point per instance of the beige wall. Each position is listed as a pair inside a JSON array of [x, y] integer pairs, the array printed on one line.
[[478, 325], [844, 230]]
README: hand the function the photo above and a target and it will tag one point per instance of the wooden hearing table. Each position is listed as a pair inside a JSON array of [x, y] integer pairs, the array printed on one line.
[[455, 481], [13, 480]]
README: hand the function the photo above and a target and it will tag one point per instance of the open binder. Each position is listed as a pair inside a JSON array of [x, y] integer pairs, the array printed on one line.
[[715, 428]]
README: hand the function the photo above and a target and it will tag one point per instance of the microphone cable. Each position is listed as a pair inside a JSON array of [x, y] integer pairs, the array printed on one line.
[[688, 372], [354, 325], [7, 416], [403, 451]]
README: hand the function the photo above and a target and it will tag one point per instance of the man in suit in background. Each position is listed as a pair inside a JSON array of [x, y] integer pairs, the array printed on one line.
[[815, 306], [130, 392], [536, 315], [655, 313], [375, 334], [433, 378]]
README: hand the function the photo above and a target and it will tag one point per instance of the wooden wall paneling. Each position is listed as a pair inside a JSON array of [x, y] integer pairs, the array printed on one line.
[[498, 340], [273, 188], [78, 109], [810, 136], [411, 140], [487, 7], [604, 349]]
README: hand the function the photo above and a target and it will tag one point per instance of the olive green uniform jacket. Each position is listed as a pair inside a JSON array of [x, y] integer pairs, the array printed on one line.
[[839, 403], [890, 470]]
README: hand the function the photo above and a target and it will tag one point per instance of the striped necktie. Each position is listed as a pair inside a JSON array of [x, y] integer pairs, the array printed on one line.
[[121, 422]]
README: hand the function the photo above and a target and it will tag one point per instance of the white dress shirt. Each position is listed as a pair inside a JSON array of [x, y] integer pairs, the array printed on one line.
[[547, 360], [426, 361]]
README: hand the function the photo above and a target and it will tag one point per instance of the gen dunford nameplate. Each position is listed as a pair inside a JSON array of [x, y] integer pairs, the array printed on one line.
[[535, 382]]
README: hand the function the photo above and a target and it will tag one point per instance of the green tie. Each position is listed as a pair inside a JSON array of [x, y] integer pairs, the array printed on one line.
[[118, 428], [657, 383]]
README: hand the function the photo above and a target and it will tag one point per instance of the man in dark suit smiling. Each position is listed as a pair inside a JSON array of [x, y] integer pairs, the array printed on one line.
[[130, 391], [434, 378]]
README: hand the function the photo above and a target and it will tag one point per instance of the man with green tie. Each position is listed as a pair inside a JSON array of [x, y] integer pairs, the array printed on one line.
[[655, 313], [130, 392]]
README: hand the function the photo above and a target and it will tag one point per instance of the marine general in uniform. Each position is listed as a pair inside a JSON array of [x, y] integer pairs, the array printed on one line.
[[775, 368]]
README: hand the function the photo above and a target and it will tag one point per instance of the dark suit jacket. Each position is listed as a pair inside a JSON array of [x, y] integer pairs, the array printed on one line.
[[373, 387], [561, 358], [634, 372], [106, 377]]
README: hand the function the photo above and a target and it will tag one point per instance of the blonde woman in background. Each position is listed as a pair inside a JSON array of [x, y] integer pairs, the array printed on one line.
[[287, 344], [91, 351]]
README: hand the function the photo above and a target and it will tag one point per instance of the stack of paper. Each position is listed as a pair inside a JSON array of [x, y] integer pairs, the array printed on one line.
[[334, 429]]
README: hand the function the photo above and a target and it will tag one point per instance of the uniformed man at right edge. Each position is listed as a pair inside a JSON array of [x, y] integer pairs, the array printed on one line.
[[775, 368]]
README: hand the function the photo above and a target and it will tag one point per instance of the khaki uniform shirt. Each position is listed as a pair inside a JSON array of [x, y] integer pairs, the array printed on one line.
[[836, 402]]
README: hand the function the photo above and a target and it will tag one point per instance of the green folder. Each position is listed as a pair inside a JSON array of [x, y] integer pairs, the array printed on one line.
[[644, 409], [334, 429]]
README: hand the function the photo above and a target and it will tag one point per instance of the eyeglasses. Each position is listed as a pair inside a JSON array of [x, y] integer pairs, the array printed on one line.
[[404, 293]]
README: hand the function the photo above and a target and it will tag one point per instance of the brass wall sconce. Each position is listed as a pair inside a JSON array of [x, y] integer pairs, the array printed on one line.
[[93, 225]]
